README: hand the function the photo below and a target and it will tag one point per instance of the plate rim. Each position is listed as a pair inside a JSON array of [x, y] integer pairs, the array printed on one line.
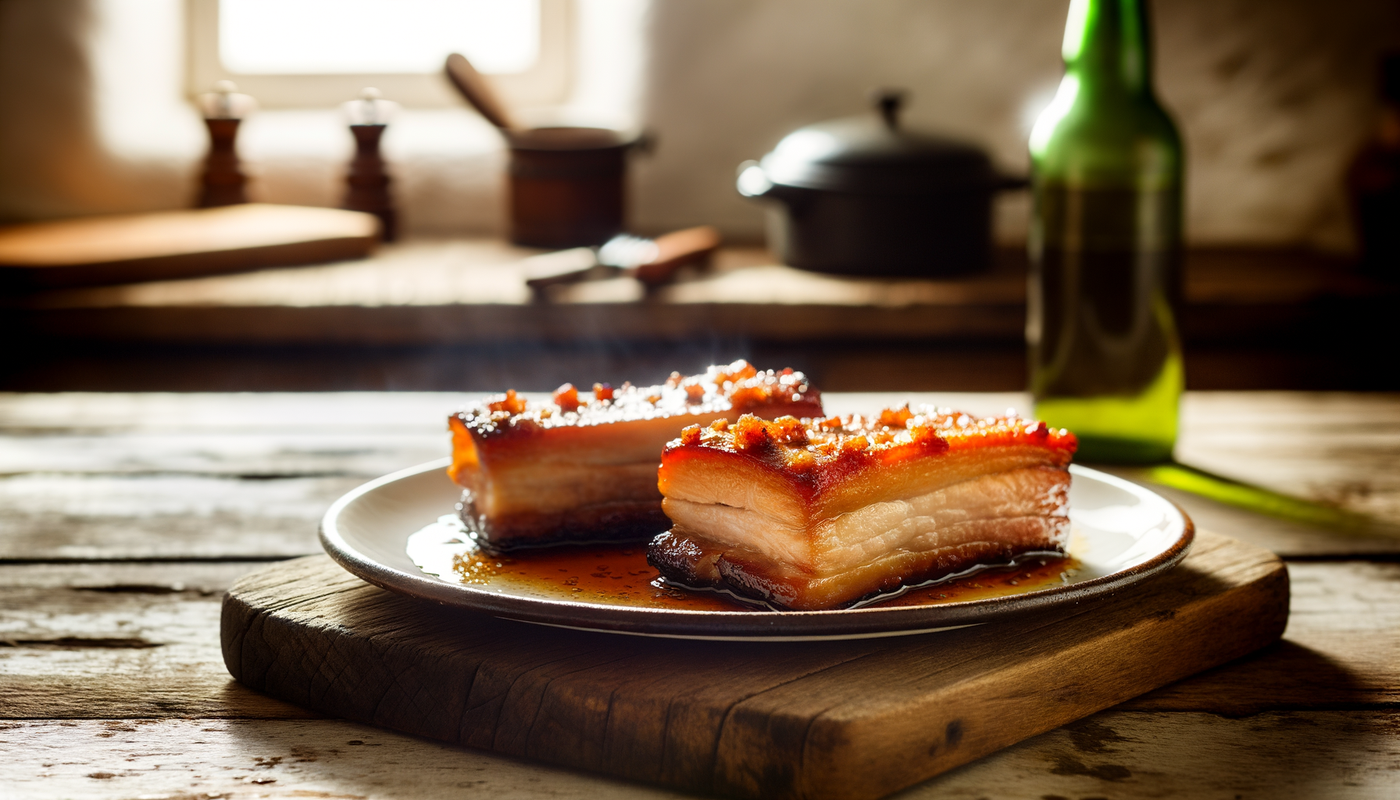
[[865, 622]]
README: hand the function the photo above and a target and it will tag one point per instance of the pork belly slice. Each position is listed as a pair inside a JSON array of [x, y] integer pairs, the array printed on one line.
[[580, 467], [819, 513]]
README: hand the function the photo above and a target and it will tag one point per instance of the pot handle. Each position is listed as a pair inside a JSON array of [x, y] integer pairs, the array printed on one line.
[[751, 181]]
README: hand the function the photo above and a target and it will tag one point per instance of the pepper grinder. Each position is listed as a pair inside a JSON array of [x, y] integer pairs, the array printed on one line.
[[223, 182], [367, 183]]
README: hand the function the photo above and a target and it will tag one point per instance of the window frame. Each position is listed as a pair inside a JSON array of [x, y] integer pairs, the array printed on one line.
[[547, 83]]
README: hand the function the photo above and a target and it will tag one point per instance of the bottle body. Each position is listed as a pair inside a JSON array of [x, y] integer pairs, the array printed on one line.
[[1105, 246]]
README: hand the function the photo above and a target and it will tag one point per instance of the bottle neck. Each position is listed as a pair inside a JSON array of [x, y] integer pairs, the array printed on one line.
[[1107, 46]]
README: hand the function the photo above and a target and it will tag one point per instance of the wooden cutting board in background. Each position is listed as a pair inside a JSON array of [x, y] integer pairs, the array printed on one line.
[[178, 244], [850, 719]]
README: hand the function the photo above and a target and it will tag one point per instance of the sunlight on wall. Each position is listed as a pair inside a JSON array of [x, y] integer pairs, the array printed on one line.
[[1271, 97], [298, 37]]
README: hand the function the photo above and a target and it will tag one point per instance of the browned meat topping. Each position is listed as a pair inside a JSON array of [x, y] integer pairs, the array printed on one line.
[[799, 445], [566, 397], [510, 403], [738, 386]]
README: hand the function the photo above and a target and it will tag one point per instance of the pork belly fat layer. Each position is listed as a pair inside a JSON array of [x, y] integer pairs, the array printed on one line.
[[693, 560], [597, 522], [579, 468], [819, 513], [951, 515]]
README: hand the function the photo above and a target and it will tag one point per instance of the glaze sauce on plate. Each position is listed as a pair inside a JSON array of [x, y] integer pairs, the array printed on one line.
[[619, 575]]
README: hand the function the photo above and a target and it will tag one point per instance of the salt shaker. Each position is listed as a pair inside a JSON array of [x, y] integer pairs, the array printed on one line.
[[223, 183], [367, 182]]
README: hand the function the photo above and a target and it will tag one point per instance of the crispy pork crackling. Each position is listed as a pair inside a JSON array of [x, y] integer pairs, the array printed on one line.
[[818, 513], [582, 467]]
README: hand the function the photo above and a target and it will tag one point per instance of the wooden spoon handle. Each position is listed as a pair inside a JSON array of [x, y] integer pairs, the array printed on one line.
[[478, 92], [675, 250]]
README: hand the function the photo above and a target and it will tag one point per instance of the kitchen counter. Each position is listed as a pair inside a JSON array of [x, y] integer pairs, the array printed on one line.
[[1253, 319], [126, 516]]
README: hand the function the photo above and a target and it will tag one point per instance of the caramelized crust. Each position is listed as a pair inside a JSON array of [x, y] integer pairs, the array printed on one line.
[[818, 513], [582, 466]]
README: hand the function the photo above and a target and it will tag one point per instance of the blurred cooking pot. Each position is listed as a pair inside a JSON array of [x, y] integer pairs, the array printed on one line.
[[567, 185], [862, 196]]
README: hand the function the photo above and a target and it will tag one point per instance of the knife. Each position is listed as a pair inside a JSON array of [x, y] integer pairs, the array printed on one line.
[[651, 261]]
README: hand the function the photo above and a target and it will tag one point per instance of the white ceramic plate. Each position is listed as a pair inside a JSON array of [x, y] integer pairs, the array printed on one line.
[[1122, 534]]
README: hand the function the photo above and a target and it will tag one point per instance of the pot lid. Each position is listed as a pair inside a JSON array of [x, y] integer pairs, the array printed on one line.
[[872, 153]]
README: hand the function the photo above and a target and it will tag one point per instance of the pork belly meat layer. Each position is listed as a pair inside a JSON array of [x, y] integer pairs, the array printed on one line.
[[813, 514], [582, 467]]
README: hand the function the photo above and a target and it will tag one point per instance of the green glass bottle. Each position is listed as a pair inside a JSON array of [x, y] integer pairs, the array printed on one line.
[[1105, 244]]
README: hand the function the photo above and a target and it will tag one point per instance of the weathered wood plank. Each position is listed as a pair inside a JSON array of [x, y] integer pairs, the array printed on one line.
[[128, 640], [335, 413], [1338, 448], [203, 758], [1134, 755], [120, 640], [1341, 649], [361, 434], [233, 454], [1286, 537], [328, 412], [856, 719], [1119, 754], [365, 435], [207, 515], [1335, 447], [46, 517], [207, 580]]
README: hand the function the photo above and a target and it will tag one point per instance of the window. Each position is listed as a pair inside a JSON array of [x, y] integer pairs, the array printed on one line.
[[319, 53]]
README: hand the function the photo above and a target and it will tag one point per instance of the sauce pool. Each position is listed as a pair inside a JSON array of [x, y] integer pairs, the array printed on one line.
[[619, 575]]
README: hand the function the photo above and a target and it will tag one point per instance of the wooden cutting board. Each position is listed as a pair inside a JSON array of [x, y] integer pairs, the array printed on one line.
[[179, 244], [855, 719]]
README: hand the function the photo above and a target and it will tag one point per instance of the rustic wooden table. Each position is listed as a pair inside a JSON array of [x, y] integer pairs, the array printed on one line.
[[123, 517]]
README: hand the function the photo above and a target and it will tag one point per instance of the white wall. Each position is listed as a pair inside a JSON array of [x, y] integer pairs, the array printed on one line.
[[1272, 96], [76, 135], [98, 120]]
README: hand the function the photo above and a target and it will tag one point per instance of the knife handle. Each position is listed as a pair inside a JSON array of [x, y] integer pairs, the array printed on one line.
[[675, 250], [564, 266]]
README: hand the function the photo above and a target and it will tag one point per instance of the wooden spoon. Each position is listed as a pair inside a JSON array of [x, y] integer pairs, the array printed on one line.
[[479, 92]]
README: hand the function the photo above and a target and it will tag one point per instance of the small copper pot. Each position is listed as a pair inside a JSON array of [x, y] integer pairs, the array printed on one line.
[[567, 186]]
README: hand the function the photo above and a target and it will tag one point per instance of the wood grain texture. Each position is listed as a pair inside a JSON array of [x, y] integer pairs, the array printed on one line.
[[1321, 663], [231, 453], [474, 292], [112, 683], [162, 517], [241, 476], [179, 244], [119, 640], [1286, 537], [849, 719], [80, 640], [1120, 754], [1337, 448]]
